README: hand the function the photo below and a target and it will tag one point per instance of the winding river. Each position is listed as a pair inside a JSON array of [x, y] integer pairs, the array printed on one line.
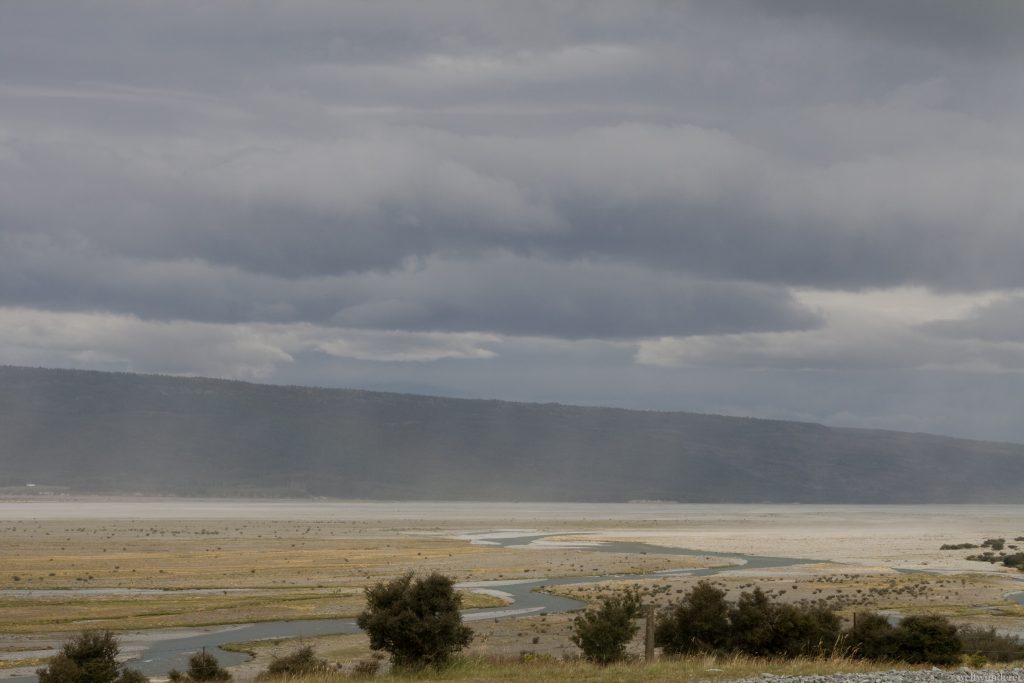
[[526, 596]]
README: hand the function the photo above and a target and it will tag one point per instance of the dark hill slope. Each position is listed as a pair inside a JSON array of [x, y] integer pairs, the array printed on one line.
[[115, 432]]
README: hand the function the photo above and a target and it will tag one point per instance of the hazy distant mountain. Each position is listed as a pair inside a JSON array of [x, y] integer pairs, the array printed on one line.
[[113, 432]]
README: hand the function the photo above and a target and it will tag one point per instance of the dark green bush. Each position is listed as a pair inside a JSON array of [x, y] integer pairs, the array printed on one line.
[[131, 676], [751, 621], [416, 621], [800, 630], [61, 669], [302, 662], [872, 637], [202, 666], [987, 556], [704, 622], [603, 633], [1015, 560], [928, 639], [762, 628], [994, 543], [918, 639], [90, 657], [697, 623]]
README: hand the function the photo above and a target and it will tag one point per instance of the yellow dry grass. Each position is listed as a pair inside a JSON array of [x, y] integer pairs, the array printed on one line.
[[666, 670]]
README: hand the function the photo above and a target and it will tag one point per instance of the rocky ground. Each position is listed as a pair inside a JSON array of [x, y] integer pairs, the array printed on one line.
[[961, 675]]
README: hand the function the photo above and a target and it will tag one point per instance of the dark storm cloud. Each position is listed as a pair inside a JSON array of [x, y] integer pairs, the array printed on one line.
[[678, 197], [301, 182], [999, 321], [986, 27], [495, 293]]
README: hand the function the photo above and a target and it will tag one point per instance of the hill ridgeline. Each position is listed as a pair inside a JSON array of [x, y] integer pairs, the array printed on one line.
[[129, 433]]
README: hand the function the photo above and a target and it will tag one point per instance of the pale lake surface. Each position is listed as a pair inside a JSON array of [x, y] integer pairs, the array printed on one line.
[[140, 508]]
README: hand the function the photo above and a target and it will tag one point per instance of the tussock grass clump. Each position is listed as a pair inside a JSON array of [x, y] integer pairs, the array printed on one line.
[[301, 662]]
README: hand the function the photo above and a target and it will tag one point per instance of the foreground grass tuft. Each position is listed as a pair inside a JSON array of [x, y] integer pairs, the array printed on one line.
[[665, 670]]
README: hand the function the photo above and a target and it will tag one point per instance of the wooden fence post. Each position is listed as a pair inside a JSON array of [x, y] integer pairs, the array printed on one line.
[[649, 639]]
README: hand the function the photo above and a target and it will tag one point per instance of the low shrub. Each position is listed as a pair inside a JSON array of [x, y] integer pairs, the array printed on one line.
[[918, 639], [202, 666], [1016, 560], [987, 556], [366, 668], [301, 662], [992, 646]]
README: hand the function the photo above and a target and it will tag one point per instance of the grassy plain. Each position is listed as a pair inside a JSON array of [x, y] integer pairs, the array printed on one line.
[[68, 565]]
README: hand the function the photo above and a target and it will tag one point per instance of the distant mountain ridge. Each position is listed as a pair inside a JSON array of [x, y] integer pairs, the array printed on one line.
[[125, 433]]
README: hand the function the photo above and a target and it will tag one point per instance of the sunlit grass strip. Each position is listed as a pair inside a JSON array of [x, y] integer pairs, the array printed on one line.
[[18, 663]]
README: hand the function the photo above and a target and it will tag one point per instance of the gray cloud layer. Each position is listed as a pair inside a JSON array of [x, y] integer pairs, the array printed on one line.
[[670, 175]]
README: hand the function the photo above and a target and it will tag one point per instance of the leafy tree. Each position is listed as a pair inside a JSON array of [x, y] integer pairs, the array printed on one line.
[[697, 623], [416, 621], [89, 657], [202, 666], [603, 633]]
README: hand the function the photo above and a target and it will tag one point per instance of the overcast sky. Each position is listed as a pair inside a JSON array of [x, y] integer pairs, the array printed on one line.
[[805, 209]]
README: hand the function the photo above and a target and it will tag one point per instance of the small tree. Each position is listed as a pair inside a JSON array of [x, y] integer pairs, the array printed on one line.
[[202, 666], [89, 657], [603, 633], [416, 621], [697, 623]]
